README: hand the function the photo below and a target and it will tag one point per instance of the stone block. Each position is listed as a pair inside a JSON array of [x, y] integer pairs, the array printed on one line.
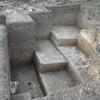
[[48, 57], [42, 18], [77, 62], [4, 65]]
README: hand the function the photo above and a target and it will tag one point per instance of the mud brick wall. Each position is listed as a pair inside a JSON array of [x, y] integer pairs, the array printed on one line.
[[4, 65], [21, 38], [2, 19]]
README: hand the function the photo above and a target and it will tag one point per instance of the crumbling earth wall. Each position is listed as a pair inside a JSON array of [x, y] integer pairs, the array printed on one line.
[[4, 65]]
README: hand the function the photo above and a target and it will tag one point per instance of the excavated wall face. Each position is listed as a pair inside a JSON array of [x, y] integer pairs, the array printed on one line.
[[54, 15], [89, 15], [4, 65], [21, 38], [64, 14]]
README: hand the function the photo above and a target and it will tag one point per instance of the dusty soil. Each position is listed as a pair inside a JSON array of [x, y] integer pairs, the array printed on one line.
[[29, 5]]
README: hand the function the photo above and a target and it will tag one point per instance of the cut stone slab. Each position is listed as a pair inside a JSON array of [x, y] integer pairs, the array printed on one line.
[[21, 37], [42, 17], [56, 81], [22, 96], [65, 35], [48, 57], [77, 60]]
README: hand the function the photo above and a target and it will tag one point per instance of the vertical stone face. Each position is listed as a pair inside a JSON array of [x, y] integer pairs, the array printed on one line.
[[21, 36], [4, 66], [42, 18]]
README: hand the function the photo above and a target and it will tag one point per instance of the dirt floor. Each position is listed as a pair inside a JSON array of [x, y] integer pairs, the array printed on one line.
[[27, 78]]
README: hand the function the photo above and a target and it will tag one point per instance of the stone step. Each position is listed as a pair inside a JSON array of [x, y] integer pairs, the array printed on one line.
[[65, 35], [42, 17], [77, 61], [48, 58], [22, 96], [56, 81], [90, 91]]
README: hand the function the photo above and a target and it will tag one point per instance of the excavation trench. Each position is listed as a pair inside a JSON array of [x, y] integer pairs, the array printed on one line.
[[26, 76]]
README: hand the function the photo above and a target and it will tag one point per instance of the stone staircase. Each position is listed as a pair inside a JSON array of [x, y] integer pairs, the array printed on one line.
[[61, 64]]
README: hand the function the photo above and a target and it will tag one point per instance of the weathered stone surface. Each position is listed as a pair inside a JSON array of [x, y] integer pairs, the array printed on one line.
[[88, 15], [48, 57], [21, 37], [65, 35], [22, 96], [56, 81], [4, 65], [64, 14], [42, 18], [76, 60], [85, 41]]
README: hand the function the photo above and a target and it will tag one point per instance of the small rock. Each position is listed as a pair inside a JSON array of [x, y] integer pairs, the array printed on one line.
[[13, 87]]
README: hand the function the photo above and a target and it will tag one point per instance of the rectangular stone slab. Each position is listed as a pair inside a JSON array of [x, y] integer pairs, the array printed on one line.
[[65, 35], [4, 65], [48, 57]]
